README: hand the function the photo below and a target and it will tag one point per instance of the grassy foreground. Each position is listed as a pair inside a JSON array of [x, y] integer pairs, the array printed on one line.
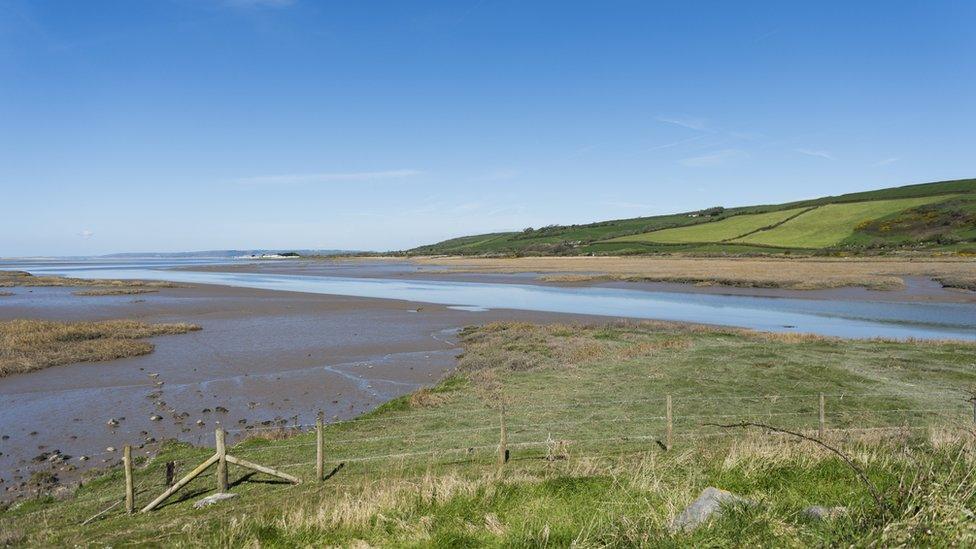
[[584, 415], [27, 345]]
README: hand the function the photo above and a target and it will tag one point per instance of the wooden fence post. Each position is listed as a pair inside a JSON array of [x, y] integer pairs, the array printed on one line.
[[823, 421], [974, 409], [130, 496], [170, 472], [222, 486], [502, 439], [319, 448], [669, 433]]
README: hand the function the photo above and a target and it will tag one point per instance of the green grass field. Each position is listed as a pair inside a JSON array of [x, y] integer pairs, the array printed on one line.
[[709, 235], [716, 231], [830, 224], [585, 412]]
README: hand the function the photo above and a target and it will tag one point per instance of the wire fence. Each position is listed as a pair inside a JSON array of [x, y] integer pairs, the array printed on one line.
[[495, 434]]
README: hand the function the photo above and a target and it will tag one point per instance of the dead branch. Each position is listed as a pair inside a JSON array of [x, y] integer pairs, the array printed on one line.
[[855, 467]]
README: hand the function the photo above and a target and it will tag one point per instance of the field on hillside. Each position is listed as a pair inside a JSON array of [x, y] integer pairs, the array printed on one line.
[[716, 231], [709, 231], [829, 225], [584, 408]]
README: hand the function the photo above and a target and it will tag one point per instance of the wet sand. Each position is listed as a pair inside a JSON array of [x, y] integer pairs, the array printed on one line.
[[269, 358]]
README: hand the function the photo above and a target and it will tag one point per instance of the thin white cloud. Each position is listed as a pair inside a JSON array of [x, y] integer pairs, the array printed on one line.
[[816, 153], [885, 161], [690, 122], [713, 159], [328, 177], [86, 234], [675, 143]]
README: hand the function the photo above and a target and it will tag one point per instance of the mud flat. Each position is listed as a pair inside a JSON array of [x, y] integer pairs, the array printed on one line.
[[263, 359]]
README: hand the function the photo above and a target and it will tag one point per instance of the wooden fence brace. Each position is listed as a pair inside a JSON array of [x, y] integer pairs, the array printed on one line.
[[823, 421], [669, 432], [262, 469], [181, 483], [502, 439], [222, 485], [319, 448], [130, 497]]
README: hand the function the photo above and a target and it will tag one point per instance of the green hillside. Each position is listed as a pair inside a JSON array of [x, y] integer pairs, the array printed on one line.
[[716, 231], [829, 224]]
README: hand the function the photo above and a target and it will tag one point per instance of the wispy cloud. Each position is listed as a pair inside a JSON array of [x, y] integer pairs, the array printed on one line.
[[885, 161], [86, 234], [675, 143], [816, 153], [713, 159], [327, 177], [690, 122]]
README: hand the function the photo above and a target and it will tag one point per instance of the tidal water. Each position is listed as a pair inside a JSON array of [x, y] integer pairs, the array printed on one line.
[[832, 317]]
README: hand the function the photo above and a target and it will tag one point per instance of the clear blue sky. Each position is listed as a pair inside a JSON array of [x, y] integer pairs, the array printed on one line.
[[170, 125]]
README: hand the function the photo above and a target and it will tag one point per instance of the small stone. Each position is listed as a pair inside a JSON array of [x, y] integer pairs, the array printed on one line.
[[221, 410], [155, 417], [82, 458], [112, 423], [211, 500], [110, 449], [200, 422], [709, 504]]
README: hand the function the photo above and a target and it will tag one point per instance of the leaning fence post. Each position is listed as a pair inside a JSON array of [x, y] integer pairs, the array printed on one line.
[[669, 432], [823, 421], [130, 497], [502, 439], [221, 461], [319, 448]]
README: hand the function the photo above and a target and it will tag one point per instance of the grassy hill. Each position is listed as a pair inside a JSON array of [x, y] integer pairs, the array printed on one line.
[[585, 416], [936, 217]]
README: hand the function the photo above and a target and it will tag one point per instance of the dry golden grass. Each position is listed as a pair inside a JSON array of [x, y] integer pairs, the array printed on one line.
[[9, 279], [115, 291], [27, 345], [794, 274]]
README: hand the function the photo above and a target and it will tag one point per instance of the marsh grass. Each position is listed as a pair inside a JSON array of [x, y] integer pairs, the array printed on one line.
[[10, 279], [114, 291], [421, 470], [27, 345], [792, 274]]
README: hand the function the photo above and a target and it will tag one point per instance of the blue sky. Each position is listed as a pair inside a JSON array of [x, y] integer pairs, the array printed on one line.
[[198, 124]]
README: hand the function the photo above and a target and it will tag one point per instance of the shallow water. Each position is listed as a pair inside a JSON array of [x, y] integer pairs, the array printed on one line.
[[852, 319]]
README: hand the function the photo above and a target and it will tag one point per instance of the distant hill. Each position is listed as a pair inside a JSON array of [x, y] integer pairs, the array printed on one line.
[[936, 217], [225, 253]]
